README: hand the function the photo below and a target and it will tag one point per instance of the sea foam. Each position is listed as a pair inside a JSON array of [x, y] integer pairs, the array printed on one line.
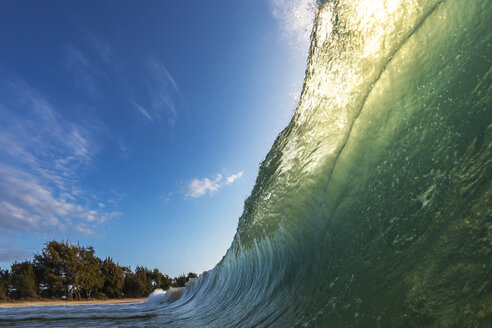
[[160, 296]]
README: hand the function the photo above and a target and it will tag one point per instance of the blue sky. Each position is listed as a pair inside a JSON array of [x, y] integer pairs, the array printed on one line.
[[138, 128]]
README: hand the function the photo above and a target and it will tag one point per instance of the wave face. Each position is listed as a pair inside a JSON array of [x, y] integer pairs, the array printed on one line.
[[374, 206]]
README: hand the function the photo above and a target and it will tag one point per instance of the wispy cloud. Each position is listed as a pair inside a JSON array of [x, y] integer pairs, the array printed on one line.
[[143, 111], [163, 91], [295, 18], [86, 74], [160, 70], [83, 229], [100, 47], [123, 148], [41, 158], [199, 187], [12, 251]]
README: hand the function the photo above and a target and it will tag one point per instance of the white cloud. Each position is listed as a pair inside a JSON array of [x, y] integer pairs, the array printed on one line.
[[199, 187], [234, 177], [41, 157], [295, 18]]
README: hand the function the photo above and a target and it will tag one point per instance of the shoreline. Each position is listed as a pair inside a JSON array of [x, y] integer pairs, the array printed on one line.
[[71, 303]]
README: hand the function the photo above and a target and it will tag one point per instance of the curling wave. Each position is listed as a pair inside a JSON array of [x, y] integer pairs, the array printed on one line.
[[373, 207]]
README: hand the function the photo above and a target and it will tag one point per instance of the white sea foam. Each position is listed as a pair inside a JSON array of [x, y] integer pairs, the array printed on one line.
[[160, 296]]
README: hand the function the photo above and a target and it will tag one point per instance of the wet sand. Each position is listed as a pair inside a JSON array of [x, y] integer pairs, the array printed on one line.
[[70, 303]]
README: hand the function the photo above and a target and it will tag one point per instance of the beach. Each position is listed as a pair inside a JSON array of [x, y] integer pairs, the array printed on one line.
[[70, 303]]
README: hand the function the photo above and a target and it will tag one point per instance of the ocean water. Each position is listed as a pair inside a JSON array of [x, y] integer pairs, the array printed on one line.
[[374, 206]]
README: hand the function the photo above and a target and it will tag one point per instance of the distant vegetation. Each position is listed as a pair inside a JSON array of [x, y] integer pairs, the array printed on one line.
[[66, 271]]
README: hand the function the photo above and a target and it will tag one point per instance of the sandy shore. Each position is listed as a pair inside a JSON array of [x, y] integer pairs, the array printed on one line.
[[70, 303]]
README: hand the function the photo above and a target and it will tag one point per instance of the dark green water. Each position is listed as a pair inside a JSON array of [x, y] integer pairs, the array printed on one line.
[[374, 206]]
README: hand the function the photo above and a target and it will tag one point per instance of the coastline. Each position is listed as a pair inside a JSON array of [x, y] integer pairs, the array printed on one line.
[[70, 303]]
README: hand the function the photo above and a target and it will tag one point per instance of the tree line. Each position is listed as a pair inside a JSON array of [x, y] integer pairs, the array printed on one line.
[[67, 271]]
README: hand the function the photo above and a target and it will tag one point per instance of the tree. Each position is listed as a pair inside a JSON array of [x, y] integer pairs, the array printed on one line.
[[66, 270], [89, 271], [160, 280], [138, 284], [52, 267], [71, 259], [114, 278], [181, 280], [4, 284], [144, 281], [130, 288], [23, 280]]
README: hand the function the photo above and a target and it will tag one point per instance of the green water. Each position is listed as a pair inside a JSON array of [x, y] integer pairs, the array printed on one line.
[[382, 181]]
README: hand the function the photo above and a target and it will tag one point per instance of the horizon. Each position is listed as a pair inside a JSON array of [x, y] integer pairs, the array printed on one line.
[[139, 130]]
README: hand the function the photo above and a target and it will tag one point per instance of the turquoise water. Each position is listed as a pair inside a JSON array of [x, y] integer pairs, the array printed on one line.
[[374, 206]]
